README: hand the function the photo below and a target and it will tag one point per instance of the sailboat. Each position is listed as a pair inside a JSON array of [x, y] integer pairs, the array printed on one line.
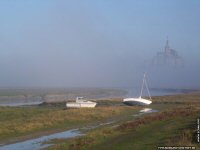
[[139, 100]]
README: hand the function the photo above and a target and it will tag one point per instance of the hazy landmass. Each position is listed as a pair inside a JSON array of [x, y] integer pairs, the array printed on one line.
[[29, 96]]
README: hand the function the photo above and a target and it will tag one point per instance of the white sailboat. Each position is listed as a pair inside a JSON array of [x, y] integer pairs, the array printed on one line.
[[80, 102], [139, 100]]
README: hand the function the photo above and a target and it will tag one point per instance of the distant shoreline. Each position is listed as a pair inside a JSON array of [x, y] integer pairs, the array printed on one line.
[[21, 97]]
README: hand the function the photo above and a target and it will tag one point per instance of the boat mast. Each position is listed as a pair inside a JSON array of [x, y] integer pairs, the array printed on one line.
[[142, 86], [145, 82], [147, 89]]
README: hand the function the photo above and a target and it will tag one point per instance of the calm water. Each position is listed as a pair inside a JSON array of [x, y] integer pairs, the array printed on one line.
[[21, 103]]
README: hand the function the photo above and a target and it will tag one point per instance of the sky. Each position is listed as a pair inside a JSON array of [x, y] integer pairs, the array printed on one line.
[[92, 43]]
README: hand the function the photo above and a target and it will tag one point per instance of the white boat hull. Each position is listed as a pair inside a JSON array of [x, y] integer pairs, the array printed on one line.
[[136, 101], [81, 105]]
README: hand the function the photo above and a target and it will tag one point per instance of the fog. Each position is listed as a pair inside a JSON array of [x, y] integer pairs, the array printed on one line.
[[57, 43]]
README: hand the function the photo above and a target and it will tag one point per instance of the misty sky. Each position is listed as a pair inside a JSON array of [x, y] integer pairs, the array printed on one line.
[[96, 43]]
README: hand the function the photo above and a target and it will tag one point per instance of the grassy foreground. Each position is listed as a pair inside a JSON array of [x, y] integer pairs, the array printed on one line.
[[175, 126], [18, 123], [168, 128]]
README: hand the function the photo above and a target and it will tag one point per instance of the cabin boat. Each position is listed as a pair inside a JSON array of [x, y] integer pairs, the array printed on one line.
[[81, 103], [139, 101]]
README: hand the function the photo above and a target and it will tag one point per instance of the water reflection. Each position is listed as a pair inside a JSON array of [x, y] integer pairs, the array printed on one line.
[[145, 111]]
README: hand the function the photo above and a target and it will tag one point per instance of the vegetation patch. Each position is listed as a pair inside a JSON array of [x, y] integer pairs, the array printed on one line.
[[174, 126], [169, 128], [20, 121]]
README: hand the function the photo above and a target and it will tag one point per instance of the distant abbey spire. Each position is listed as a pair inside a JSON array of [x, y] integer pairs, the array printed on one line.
[[167, 48], [168, 57]]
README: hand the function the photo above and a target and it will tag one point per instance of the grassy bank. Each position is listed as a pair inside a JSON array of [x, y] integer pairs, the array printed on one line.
[[168, 128], [21, 121], [174, 126]]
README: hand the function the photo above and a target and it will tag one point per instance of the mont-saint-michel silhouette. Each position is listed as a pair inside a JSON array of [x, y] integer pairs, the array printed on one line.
[[168, 57]]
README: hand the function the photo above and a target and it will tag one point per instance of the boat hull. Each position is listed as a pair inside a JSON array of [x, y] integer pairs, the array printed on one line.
[[81, 105], [136, 102]]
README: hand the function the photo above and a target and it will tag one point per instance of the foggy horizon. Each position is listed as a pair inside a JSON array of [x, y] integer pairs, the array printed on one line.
[[105, 44]]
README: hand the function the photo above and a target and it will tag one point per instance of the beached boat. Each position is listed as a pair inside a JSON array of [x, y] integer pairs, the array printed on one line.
[[80, 103], [139, 100]]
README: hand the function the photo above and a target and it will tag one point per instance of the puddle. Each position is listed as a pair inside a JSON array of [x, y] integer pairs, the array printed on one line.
[[38, 143], [35, 144], [148, 110], [145, 111], [21, 104]]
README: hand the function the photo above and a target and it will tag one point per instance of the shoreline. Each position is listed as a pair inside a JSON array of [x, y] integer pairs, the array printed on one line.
[[26, 98]]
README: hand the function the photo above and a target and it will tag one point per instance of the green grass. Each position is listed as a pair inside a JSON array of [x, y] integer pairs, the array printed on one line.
[[21, 121], [191, 98], [174, 125], [145, 133]]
